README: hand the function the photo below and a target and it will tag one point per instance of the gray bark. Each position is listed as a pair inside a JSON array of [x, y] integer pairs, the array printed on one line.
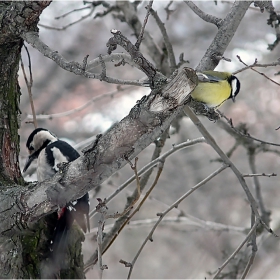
[[21, 206]]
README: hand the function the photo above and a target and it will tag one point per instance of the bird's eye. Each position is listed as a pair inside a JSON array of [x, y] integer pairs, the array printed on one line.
[[31, 148]]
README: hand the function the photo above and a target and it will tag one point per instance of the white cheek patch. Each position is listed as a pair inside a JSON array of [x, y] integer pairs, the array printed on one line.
[[58, 157], [41, 137], [234, 86]]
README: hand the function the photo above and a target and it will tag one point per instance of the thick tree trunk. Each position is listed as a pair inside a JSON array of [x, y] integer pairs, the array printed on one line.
[[11, 249], [22, 251], [9, 112]]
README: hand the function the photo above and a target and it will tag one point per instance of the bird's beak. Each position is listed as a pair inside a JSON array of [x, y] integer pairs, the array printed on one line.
[[233, 98], [29, 161]]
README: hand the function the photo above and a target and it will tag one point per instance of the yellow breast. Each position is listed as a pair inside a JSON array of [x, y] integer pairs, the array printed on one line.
[[212, 94]]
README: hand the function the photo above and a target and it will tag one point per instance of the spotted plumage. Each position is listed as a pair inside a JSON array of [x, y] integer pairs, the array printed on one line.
[[50, 151]]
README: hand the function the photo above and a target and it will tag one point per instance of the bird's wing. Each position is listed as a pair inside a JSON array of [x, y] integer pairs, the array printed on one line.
[[206, 78]]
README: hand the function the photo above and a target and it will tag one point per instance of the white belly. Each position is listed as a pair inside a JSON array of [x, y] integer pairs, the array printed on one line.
[[44, 170]]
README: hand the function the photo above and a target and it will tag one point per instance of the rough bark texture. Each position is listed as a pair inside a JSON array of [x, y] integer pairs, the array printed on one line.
[[9, 112], [146, 121], [10, 48], [21, 255], [23, 233]]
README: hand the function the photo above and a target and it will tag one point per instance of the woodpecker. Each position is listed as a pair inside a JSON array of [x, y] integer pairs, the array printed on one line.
[[50, 151]]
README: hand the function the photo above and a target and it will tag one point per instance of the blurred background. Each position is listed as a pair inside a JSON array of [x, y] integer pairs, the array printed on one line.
[[179, 249]]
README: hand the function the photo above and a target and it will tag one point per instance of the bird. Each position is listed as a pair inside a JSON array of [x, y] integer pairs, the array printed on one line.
[[214, 88], [50, 151]]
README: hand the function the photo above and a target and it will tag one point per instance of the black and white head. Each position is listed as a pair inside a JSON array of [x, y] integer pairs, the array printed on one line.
[[36, 142], [235, 86]]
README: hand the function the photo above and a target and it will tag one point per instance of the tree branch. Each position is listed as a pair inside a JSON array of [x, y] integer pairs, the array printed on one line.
[[227, 161], [163, 214], [146, 121], [133, 21], [237, 249], [258, 65], [155, 77], [29, 85], [71, 23], [110, 95], [140, 37], [186, 220], [33, 39], [169, 48], [113, 57], [225, 33], [206, 17], [151, 165]]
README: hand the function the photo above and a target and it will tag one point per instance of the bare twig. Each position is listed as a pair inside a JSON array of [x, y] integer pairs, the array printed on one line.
[[156, 78], [107, 11], [73, 11], [255, 64], [140, 37], [159, 144], [252, 163], [260, 175], [134, 168], [150, 165], [103, 72], [160, 168], [29, 86], [227, 161], [137, 209], [131, 17], [252, 230], [102, 209], [112, 58], [274, 151], [261, 141], [137, 193], [141, 183], [252, 243], [32, 38], [273, 20], [206, 17], [174, 205], [244, 133], [134, 197], [85, 62], [82, 107], [120, 223], [72, 23], [169, 48], [142, 202], [125, 219], [168, 11], [180, 220], [234, 147]]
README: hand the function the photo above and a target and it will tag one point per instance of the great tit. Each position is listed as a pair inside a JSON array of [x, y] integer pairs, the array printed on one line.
[[214, 88]]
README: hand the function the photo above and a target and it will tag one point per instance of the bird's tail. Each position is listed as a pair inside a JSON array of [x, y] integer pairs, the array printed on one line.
[[60, 238], [80, 212], [57, 259], [76, 210]]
